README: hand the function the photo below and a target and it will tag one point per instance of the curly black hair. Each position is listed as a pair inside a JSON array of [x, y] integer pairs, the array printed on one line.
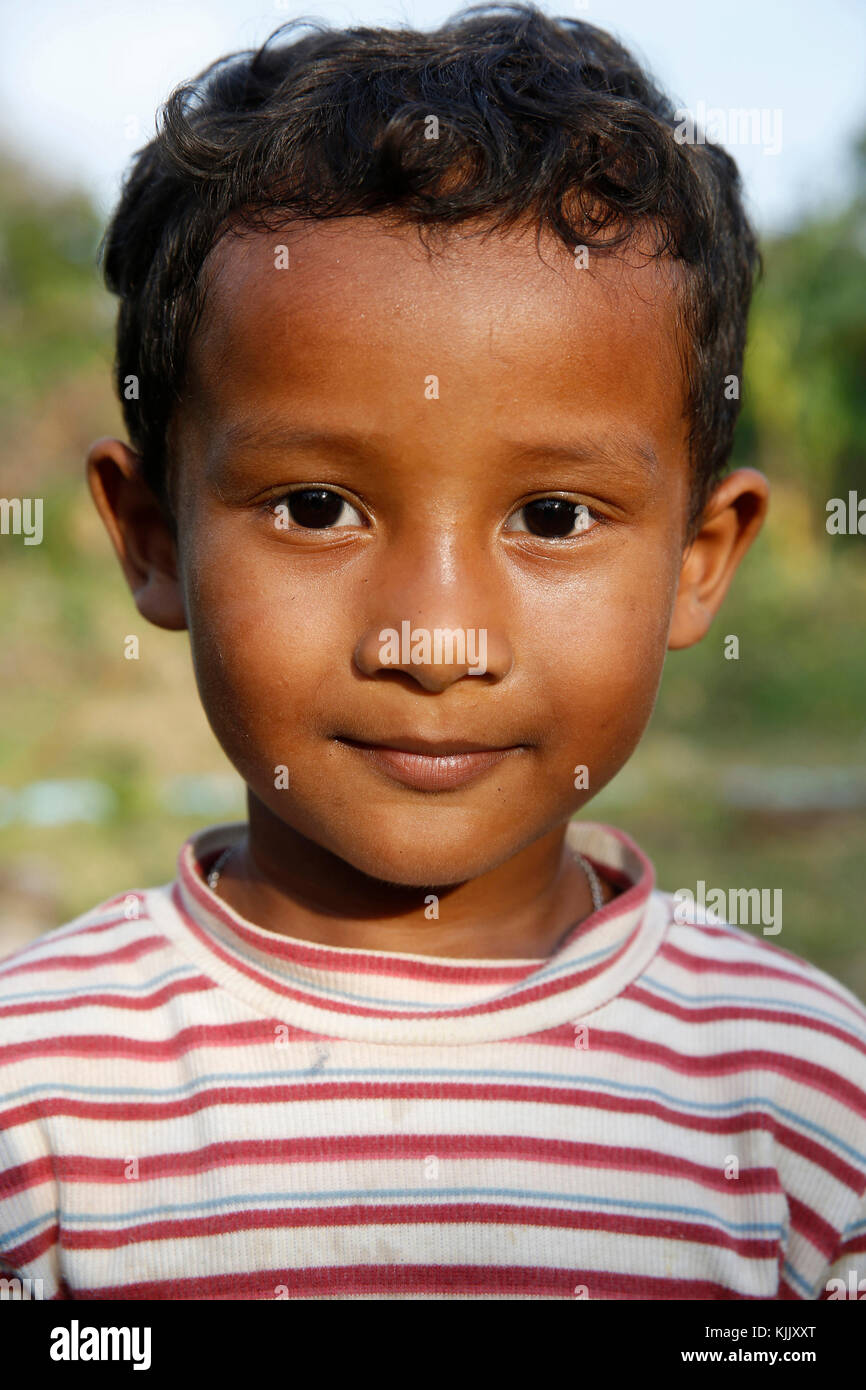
[[544, 117]]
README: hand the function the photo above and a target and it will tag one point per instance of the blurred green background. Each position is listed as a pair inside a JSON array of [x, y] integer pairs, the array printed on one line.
[[751, 773]]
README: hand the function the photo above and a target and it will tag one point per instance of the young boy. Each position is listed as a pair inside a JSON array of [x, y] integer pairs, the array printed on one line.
[[424, 347]]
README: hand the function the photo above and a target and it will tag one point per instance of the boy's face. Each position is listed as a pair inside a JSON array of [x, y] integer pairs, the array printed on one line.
[[463, 387]]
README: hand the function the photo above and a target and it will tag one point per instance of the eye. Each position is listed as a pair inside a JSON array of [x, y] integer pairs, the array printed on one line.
[[553, 518], [314, 508]]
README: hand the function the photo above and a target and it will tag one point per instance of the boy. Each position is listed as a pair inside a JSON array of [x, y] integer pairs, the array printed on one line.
[[423, 346]]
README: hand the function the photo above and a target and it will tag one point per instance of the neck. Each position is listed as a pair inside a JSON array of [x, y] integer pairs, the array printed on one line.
[[286, 883]]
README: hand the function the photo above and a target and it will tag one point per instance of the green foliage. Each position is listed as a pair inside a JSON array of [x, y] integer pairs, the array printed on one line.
[[53, 314], [804, 403]]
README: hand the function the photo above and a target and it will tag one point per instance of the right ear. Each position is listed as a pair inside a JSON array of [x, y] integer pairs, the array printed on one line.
[[139, 531]]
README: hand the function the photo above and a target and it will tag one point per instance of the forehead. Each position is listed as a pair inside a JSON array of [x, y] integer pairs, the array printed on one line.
[[350, 315]]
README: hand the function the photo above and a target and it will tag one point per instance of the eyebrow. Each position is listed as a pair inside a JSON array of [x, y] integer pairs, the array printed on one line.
[[279, 435], [611, 448]]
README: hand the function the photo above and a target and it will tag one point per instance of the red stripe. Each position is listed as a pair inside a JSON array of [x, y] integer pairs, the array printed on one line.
[[736, 1125], [787, 1293], [119, 898], [699, 965], [816, 1153], [404, 1215], [23, 1176], [114, 1045], [134, 950], [813, 1227], [773, 948], [191, 985], [222, 1096], [796, 1069], [343, 1148], [717, 1012], [83, 930], [29, 1250], [339, 1281]]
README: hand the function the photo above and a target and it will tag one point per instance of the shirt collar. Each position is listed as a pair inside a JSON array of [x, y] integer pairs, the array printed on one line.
[[393, 997]]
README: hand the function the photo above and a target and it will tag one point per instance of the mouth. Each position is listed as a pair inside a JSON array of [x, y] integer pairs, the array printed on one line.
[[431, 765]]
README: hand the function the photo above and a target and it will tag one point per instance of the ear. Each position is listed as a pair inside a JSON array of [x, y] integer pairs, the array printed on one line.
[[730, 522], [139, 531]]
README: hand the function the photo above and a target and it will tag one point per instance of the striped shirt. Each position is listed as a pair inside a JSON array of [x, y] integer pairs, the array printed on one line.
[[192, 1107]]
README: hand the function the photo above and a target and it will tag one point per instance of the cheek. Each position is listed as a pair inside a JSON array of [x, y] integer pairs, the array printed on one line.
[[600, 659], [262, 643]]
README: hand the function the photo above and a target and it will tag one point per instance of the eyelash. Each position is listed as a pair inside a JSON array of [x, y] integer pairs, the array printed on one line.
[[283, 500], [595, 516]]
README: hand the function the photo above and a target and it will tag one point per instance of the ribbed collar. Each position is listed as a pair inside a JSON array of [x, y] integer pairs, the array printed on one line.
[[393, 997]]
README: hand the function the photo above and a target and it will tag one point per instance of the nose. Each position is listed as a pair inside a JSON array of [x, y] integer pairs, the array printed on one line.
[[436, 622], [435, 656]]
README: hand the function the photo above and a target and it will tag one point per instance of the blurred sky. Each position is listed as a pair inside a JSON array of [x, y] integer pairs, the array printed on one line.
[[80, 80]]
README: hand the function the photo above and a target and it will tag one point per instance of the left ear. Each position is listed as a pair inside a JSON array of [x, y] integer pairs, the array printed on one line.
[[730, 522]]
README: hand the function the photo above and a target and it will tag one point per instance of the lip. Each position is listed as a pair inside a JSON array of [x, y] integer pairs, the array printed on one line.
[[431, 766]]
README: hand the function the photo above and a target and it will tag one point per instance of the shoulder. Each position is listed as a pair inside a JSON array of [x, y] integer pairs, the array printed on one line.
[[764, 1029], [94, 935], [112, 953], [768, 994]]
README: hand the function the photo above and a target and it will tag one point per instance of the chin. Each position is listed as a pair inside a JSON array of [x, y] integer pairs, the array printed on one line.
[[414, 865]]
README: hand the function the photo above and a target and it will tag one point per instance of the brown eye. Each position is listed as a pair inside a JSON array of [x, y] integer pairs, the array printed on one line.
[[553, 518], [316, 508]]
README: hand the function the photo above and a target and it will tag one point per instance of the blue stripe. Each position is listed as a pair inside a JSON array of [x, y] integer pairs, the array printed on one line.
[[731, 1107], [528, 982], [746, 1000], [255, 1200], [142, 988], [797, 1278], [46, 1219]]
